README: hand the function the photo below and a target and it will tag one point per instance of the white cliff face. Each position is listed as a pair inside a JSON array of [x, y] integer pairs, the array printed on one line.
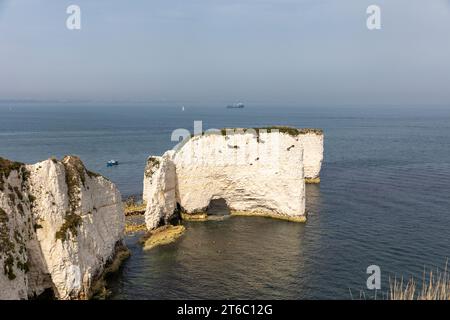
[[255, 172], [72, 225], [14, 233], [260, 174], [312, 143], [160, 190], [153, 165]]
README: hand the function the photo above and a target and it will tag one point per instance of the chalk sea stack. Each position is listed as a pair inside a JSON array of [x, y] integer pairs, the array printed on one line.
[[257, 172]]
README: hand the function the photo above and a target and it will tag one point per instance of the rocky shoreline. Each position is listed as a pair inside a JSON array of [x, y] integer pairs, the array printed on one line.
[[62, 226]]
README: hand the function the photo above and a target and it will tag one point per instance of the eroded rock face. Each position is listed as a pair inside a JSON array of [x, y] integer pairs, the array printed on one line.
[[257, 172], [16, 231], [62, 225], [260, 174], [160, 190], [312, 143]]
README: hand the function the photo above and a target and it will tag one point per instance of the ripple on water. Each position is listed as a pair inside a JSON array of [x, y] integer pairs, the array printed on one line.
[[385, 217]]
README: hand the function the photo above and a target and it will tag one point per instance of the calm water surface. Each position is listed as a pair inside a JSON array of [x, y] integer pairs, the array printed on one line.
[[384, 197]]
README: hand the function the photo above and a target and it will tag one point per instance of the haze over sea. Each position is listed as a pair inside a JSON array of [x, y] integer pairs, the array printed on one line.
[[384, 196]]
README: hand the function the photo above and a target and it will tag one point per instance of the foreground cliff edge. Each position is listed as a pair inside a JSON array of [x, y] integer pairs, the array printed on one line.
[[257, 172], [61, 229]]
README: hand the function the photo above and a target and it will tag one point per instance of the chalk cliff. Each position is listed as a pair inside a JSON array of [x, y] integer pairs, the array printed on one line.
[[161, 194], [256, 171], [61, 226], [312, 143]]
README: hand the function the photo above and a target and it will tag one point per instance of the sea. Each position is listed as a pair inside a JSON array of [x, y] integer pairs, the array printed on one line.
[[383, 200]]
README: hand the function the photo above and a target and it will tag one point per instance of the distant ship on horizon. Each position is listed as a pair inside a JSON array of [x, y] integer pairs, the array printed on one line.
[[239, 105]]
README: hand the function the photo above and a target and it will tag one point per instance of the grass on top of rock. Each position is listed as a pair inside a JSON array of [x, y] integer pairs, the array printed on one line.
[[153, 164], [289, 130], [282, 129], [154, 161]]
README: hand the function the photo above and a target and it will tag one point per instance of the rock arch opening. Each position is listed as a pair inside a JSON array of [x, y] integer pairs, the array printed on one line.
[[218, 207]]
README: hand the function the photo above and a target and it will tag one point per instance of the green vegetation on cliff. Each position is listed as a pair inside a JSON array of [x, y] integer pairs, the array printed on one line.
[[71, 223], [282, 129], [75, 175], [6, 166]]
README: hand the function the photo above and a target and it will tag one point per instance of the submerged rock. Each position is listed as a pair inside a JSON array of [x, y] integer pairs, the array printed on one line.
[[60, 227], [162, 235]]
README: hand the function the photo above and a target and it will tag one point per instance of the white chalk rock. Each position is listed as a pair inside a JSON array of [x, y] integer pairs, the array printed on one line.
[[253, 173], [160, 190], [14, 233], [312, 143], [257, 172], [72, 226]]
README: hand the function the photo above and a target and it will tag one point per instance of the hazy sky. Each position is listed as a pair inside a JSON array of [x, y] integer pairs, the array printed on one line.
[[275, 51]]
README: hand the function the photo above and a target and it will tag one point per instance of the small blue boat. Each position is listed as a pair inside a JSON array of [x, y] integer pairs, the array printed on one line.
[[111, 163]]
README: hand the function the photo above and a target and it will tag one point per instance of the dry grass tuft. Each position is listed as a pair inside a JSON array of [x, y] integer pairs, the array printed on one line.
[[434, 287]]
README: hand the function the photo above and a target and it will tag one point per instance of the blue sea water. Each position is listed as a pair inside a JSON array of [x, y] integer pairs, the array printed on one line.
[[383, 200]]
